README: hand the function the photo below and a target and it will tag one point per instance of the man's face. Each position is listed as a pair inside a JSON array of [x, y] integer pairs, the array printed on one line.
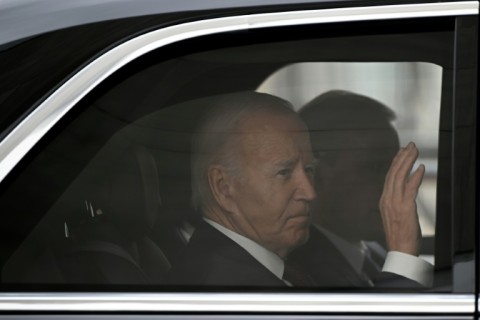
[[274, 185]]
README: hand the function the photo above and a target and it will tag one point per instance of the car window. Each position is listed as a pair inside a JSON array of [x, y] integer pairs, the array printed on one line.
[[105, 198]]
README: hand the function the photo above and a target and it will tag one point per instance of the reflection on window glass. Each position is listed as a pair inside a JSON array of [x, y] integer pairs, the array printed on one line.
[[231, 168]]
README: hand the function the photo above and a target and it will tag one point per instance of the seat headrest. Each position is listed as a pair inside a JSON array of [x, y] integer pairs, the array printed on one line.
[[123, 189]]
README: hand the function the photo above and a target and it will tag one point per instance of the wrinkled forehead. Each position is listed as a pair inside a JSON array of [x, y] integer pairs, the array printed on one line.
[[276, 133], [271, 121]]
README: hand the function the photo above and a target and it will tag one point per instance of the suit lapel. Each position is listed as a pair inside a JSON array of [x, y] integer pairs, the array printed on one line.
[[229, 262]]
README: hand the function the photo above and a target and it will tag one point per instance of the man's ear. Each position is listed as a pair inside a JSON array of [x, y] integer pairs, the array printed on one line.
[[221, 186]]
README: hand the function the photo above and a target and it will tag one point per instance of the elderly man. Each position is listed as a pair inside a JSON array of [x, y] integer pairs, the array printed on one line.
[[252, 171]]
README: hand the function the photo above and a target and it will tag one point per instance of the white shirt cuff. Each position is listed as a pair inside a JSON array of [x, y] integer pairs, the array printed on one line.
[[408, 266]]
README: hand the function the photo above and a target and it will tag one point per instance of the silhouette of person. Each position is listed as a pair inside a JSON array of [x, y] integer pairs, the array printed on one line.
[[354, 142]]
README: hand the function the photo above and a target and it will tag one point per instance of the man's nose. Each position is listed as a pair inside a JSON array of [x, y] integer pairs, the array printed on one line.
[[306, 189]]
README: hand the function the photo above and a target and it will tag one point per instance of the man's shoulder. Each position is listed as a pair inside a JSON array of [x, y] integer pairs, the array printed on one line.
[[211, 258]]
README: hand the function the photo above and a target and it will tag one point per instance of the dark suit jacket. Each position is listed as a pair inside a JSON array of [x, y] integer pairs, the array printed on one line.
[[213, 259]]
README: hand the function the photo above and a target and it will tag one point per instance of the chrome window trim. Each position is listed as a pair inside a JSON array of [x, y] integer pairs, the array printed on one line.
[[365, 13], [20, 140], [445, 304], [43, 118]]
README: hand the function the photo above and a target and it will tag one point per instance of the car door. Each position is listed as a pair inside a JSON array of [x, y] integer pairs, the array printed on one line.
[[95, 155]]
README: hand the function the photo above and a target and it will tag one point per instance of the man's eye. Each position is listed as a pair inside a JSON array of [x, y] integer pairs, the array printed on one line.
[[284, 172], [310, 170]]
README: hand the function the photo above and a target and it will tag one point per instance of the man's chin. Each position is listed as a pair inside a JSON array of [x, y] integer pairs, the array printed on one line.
[[297, 239], [306, 237], [302, 237]]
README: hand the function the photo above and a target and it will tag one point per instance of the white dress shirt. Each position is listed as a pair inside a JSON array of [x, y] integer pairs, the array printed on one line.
[[408, 266]]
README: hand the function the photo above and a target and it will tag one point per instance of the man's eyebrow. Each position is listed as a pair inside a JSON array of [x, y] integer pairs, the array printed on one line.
[[312, 165], [285, 163], [291, 162]]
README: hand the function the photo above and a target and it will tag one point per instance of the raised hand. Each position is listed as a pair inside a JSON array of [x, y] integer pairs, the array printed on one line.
[[397, 203]]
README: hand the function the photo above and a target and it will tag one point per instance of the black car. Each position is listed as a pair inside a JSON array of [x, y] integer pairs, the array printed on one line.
[[100, 101]]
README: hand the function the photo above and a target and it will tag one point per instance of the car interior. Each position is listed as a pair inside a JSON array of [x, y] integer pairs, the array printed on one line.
[[110, 199]]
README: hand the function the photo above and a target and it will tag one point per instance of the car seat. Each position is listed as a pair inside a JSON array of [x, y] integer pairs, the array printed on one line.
[[98, 232]]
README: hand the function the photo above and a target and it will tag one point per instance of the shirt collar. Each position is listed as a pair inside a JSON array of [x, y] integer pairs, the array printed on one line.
[[267, 258]]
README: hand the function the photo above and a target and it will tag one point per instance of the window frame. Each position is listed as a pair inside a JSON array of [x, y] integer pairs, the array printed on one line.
[[24, 137]]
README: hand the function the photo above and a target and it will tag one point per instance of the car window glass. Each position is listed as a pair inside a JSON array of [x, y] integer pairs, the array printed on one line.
[[105, 199]]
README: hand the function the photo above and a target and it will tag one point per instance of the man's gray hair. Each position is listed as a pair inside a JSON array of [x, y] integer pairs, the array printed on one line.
[[210, 142]]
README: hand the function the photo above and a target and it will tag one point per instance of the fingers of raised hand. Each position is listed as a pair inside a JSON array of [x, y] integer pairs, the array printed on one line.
[[414, 181], [397, 179], [397, 203]]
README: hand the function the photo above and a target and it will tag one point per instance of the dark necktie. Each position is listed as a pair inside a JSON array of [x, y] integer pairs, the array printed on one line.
[[294, 274]]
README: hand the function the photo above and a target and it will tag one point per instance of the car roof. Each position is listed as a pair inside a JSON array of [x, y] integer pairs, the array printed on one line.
[[20, 19]]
